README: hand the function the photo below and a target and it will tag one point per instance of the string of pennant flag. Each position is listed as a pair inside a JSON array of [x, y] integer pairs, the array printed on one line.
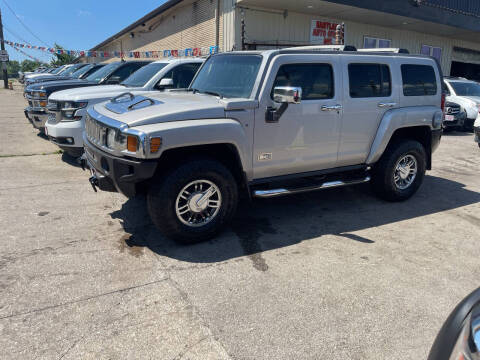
[[28, 55], [209, 50]]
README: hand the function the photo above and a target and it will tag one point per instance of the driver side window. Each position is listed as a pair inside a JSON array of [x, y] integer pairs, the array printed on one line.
[[181, 75], [316, 80]]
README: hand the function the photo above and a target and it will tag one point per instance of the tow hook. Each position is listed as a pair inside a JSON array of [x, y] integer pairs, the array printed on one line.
[[94, 182], [82, 161]]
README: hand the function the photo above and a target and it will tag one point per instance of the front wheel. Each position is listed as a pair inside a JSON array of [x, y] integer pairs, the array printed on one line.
[[193, 202], [400, 171]]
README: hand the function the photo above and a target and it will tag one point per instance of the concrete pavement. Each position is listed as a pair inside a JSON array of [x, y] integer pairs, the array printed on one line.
[[332, 274]]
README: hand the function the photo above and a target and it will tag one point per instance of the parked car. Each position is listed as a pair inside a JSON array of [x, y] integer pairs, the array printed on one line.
[[79, 73], [37, 94], [67, 108], [459, 337], [466, 93], [267, 124], [476, 128], [67, 74], [454, 116], [57, 71], [21, 74]]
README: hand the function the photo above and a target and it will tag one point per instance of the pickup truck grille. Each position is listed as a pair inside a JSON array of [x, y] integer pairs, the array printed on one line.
[[95, 131]]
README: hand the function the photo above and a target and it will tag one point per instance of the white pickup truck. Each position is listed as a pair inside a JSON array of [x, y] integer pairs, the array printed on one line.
[[67, 108]]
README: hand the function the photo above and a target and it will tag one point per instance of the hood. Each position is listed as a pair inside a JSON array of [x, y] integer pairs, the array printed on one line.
[[92, 92], [168, 107], [476, 99], [48, 78], [34, 75], [52, 86]]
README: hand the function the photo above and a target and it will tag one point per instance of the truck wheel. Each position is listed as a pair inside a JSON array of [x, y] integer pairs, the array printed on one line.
[[400, 171], [193, 202]]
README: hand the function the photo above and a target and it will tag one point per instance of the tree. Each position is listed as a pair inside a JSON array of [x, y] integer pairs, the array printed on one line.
[[29, 65], [13, 67], [62, 59]]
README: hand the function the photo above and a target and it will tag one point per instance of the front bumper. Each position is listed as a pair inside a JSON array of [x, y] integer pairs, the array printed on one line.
[[36, 118], [477, 133], [111, 173], [458, 120], [66, 134]]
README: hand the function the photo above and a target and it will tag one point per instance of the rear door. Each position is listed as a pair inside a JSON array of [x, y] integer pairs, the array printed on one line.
[[369, 94]]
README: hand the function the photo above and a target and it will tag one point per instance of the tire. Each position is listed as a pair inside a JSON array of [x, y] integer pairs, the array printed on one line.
[[383, 177], [163, 200]]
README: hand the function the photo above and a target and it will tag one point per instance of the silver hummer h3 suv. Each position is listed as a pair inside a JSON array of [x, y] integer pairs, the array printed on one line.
[[269, 123]]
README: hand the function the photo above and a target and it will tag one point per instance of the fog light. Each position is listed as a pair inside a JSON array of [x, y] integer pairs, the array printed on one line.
[[132, 143], [69, 140], [155, 144]]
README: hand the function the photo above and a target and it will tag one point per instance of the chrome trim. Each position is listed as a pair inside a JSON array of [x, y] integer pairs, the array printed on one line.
[[326, 185], [103, 123]]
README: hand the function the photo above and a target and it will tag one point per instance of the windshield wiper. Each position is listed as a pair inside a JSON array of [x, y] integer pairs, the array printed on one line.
[[206, 92]]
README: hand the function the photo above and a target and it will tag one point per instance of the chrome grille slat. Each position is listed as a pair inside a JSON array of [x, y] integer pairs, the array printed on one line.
[[95, 131]]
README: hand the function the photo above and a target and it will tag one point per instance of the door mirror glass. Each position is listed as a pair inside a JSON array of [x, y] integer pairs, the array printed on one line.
[[287, 94], [164, 83], [114, 80]]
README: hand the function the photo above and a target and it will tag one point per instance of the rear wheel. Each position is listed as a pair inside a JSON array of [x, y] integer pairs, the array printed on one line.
[[400, 171], [193, 202]]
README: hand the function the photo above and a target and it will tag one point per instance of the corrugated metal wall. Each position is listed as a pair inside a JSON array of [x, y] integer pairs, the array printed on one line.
[[266, 26], [188, 25]]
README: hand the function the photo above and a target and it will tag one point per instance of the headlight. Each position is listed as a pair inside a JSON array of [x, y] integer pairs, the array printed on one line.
[[69, 109], [116, 140], [39, 94]]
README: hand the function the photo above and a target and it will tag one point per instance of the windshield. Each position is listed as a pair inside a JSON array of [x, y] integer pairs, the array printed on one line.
[[57, 70], [64, 70], [228, 75], [98, 75], [140, 77], [466, 88], [81, 71], [72, 69]]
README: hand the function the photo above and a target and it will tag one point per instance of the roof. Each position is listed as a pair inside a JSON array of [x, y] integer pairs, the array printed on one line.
[[167, 5]]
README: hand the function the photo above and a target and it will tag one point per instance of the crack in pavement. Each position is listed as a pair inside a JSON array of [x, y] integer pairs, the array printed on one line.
[[82, 300], [57, 152]]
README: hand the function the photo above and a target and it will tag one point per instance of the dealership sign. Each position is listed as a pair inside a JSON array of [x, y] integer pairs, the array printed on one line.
[[3, 56], [323, 32]]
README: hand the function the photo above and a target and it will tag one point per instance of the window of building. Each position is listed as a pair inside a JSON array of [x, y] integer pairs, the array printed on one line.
[[436, 52], [372, 43], [369, 80], [316, 80], [418, 80]]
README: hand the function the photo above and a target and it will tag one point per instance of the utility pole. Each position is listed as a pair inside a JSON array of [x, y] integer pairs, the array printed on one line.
[[4, 64]]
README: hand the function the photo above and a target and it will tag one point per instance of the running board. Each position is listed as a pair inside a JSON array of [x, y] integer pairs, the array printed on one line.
[[325, 185]]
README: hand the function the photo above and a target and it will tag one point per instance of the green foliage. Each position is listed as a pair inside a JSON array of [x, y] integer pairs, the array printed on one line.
[[62, 59], [13, 67], [29, 65]]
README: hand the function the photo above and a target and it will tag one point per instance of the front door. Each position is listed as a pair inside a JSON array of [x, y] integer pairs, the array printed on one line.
[[306, 136]]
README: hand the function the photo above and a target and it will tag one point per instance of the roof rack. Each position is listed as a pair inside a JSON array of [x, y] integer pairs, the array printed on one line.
[[323, 48], [386, 50]]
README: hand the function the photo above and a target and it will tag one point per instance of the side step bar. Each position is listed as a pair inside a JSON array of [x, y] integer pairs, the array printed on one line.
[[325, 185]]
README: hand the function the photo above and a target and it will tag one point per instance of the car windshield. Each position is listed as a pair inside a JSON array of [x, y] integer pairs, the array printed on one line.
[[466, 88], [140, 77], [72, 69], [82, 71], [57, 70], [228, 76], [64, 70], [98, 75]]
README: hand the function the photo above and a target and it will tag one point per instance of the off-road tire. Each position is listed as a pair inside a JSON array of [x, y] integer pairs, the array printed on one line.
[[162, 196], [383, 183]]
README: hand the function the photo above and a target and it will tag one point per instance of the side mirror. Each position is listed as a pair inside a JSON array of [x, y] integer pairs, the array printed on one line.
[[113, 80], [284, 95], [287, 94], [459, 337], [165, 83]]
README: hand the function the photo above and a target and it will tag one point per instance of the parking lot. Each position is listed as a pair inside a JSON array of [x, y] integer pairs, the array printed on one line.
[[325, 275]]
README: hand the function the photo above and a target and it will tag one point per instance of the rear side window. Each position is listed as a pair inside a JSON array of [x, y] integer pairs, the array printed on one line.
[[316, 80], [369, 80], [419, 80]]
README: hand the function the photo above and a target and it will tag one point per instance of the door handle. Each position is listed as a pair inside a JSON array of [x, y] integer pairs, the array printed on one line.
[[331, 108], [386, 105]]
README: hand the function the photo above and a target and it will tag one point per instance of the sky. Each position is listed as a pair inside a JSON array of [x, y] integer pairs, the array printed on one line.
[[75, 25]]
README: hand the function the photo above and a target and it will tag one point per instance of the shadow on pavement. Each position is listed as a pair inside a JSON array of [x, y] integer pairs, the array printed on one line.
[[275, 223], [70, 160]]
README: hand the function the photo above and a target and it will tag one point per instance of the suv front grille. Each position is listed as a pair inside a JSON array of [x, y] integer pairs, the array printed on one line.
[[450, 110], [95, 131]]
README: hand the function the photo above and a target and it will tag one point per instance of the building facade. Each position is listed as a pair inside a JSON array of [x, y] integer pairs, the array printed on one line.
[[446, 29]]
